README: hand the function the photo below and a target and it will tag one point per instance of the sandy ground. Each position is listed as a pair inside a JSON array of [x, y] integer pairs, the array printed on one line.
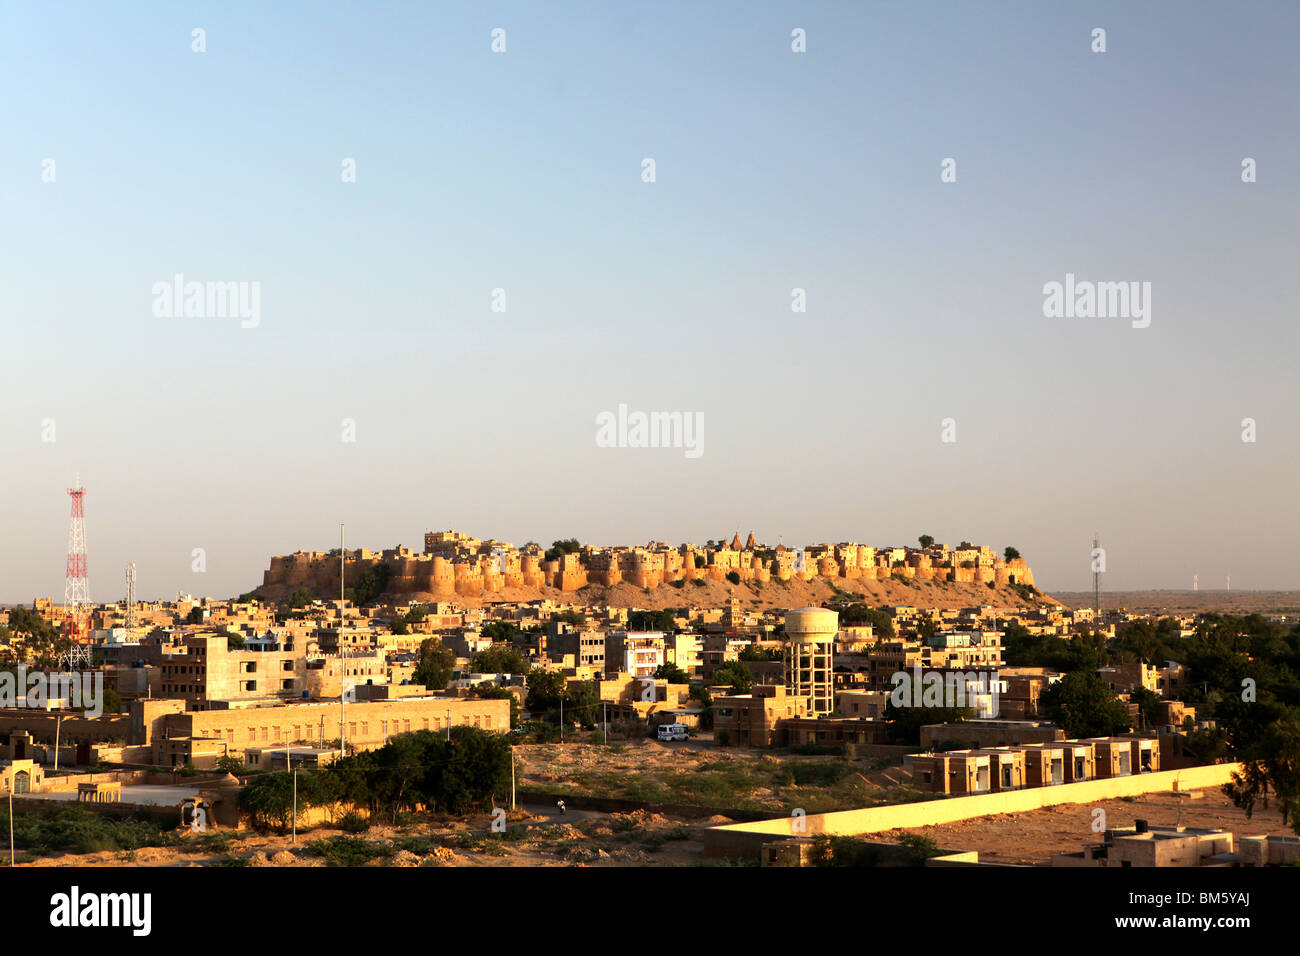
[[1236, 602], [1034, 836], [701, 774], [534, 839]]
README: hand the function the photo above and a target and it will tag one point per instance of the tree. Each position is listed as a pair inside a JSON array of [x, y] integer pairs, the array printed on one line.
[[1148, 706], [372, 583], [1011, 554], [500, 659], [229, 764], [582, 700], [1083, 706], [858, 614], [499, 631], [903, 724], [576, 618], [562, 547], [700, 693], [735, 675], [545, 691], [672, 673], [651, 621], [733, 577], [195, 616], [300, 598], [401, 627], [926, 540], [435, 664], [1275, 771]]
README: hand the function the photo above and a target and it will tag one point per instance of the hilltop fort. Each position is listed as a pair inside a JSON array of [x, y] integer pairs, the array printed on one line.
[[457, 566]]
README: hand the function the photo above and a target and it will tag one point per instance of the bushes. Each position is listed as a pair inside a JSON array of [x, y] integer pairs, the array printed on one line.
[[78, 830], [347, 850], [820, 773], [423, 768]]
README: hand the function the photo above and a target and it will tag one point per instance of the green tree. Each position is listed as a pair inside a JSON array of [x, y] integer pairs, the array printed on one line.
[[582, 701], [1011, 554], [1148, 706], [435, 665], [562, 547], [858, 614], [1083, 706], [195, 616], [672, 673], [926, 540], [499, 631], [1273, 774], [651, 621], [903, 724], [300, 598], [500, 659], [735, 675], [370, 585], [701, 694], [545, 691]]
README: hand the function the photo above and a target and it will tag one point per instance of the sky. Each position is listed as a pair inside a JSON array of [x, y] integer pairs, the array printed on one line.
[[381, 385]]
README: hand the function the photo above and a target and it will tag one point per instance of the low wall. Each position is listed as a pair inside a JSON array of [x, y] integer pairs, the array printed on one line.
[[746, 839], [65, 783], [617, 805]]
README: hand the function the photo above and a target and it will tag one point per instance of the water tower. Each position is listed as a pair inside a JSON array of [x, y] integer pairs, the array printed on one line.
[[809, 656]]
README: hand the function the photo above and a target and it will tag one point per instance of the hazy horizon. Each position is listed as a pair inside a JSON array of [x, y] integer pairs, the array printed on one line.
[[774, 171]]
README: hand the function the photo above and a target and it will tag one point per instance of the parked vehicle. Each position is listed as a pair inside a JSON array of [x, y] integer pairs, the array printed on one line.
[[673, 732]]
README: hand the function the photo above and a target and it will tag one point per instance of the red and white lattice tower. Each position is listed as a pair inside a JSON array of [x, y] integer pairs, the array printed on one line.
[[76, 586]]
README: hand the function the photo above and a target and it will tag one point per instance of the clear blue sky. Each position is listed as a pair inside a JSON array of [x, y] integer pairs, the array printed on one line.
[[775, 170]]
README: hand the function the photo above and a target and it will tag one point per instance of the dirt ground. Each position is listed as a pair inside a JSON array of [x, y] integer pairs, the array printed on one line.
[[1034, 836], [530, 840], [701, 774]]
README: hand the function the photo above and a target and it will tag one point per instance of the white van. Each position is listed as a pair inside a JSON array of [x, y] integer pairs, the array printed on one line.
[[673, 732]]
